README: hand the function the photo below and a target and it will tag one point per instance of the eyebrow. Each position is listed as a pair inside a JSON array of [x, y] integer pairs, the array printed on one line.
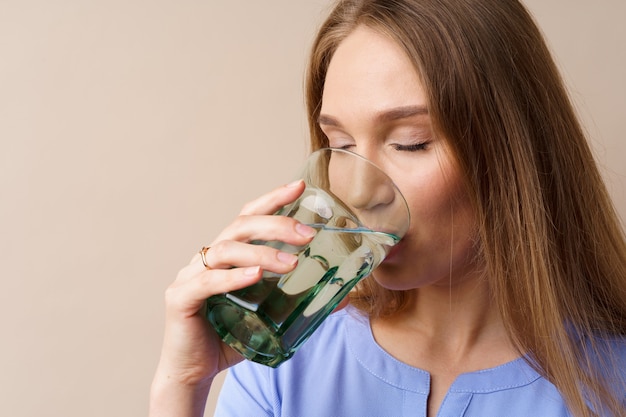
[[396, 113]]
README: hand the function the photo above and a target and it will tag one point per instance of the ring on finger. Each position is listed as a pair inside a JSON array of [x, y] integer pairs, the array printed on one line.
[[203, 252]]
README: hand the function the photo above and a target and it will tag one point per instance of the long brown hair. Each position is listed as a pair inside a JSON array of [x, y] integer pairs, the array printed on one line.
[[550, 240]]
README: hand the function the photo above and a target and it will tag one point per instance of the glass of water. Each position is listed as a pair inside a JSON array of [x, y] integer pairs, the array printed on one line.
[[359, 214]]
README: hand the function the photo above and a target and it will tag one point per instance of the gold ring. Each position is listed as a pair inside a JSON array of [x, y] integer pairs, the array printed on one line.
[[203, 252]]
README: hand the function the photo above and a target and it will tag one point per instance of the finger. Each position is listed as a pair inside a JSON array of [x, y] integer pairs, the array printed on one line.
[[229, 254], [275, 199], [188, 296], [267, 228], [238, 254]]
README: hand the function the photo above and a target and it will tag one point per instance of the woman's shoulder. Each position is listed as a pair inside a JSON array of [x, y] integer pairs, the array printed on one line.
[[613, 345], [618, 346], [610, 357], [613, 365]]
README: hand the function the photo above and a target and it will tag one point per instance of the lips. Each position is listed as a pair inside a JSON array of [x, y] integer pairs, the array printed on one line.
[[393, 252]]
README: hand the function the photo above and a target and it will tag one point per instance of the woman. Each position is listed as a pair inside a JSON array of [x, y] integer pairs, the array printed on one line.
[[507, 297]]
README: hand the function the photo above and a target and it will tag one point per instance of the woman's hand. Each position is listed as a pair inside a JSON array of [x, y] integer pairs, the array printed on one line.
[[192, 353]]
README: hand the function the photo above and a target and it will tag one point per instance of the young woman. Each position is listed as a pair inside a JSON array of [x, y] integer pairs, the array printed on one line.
[[507, 297]]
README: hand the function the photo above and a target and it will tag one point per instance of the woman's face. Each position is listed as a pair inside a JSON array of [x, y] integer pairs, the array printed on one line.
[[374, 104]]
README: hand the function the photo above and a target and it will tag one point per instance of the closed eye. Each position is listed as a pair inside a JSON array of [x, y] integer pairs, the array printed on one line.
[[414, 147]]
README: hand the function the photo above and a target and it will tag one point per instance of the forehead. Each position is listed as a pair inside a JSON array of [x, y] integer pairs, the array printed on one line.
[[370, 68]]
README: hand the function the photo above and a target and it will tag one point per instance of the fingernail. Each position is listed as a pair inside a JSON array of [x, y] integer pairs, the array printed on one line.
[[251, 271], [293, 184], [304, 230], [287, 258]]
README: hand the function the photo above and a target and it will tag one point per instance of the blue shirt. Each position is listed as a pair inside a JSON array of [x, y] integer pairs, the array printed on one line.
[[342, 372]]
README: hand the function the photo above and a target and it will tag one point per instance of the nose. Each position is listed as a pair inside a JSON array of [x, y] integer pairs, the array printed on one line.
[[359, 183], [370, 187]]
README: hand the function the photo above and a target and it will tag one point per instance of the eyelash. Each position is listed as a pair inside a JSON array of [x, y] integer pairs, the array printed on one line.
[[414, 147]]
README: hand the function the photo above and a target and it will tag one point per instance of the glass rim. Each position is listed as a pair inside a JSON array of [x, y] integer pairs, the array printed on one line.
[[398, 192]]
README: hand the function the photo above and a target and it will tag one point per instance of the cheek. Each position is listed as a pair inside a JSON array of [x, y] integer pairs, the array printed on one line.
[[430, 204], [441, 240], [441, 216]]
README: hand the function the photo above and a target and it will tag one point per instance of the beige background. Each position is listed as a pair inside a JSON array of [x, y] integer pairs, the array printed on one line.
[[131, 131]]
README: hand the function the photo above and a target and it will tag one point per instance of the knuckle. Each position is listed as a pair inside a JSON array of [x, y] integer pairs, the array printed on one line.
[[218, 250], [248, 208], [171, 295], [181, 275], [204, 283], [239, 221]]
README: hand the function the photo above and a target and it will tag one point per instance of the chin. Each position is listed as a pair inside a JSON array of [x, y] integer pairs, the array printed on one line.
[[386, 275]]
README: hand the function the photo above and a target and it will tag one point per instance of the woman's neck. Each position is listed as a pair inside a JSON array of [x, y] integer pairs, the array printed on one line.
[[454, 327]]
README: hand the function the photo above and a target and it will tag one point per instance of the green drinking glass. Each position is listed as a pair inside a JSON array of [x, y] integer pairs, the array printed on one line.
[[359, 214]]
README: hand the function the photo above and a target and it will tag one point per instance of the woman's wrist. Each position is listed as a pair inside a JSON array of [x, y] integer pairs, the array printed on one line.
[[175, 397]]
